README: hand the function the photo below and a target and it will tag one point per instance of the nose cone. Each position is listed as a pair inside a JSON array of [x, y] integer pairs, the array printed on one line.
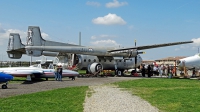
[[5, 77], [9, 77]]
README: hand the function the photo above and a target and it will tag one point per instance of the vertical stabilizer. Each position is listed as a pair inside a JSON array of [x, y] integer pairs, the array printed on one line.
[[34, 38], [15, 47]]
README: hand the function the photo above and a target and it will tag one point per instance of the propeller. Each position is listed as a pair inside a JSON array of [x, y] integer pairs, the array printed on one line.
[[136, 56]]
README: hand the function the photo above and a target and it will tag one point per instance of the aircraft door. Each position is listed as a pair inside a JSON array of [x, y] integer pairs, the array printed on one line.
[[76, 59]]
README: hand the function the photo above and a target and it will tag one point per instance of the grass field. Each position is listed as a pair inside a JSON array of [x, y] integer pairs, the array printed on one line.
[[60, 100], [170, 95]]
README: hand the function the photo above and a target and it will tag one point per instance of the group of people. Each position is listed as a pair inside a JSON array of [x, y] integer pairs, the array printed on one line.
[[58, 72], [157, 70]]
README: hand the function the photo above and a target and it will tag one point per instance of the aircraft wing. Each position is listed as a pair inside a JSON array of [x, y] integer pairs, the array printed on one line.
[[152, 46]]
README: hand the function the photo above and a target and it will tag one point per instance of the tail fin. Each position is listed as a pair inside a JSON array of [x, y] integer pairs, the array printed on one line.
[[15, 47], [34, 38]]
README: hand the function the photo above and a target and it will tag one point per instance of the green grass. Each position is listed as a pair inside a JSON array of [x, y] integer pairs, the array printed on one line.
[[18, 80], [22, 79], [69, 99], [170, 95], [82, 71]]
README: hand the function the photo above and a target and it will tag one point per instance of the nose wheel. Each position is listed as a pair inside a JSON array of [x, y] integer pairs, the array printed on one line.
[[4, 86]]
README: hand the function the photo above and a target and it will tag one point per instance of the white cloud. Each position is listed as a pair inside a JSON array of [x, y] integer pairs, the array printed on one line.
[[192, 46], [44, 35], [107, 43], [110, 19], [115, 4], [4, 34], [103, 36], [196, 41], [96, 4]]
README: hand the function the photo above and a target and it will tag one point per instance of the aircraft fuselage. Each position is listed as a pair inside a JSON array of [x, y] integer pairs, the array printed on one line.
[[190, 62], [83, 61]]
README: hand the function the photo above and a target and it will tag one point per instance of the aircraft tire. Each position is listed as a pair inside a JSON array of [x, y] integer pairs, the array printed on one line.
[[119, 73], [73, 78], [4, 86]]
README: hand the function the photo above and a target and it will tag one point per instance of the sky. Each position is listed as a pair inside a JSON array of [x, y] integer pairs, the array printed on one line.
[[116, 23]]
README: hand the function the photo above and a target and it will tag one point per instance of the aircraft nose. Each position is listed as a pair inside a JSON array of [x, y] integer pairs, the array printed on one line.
[[9, 77]]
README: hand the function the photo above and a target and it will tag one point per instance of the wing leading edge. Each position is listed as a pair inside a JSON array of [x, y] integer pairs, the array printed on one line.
[[152, 46]]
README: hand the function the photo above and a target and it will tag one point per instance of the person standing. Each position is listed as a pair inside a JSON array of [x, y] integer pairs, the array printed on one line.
[[160, 70], [59, 70], [56, 72], [155, 70], [143, 71], [149, 71], [168, 70]]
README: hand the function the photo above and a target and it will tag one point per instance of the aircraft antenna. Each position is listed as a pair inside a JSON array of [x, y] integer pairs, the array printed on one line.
[[135, 43]]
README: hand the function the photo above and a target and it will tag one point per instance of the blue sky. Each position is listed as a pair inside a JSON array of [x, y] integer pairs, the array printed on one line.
[[106, 23]]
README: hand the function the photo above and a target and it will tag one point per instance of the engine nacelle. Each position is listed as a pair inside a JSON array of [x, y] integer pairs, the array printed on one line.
[[125, 53], [95, 67], [34, 53]]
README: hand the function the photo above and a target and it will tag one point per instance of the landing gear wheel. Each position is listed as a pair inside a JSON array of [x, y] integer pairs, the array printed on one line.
[[119, 73], [4, 86]]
